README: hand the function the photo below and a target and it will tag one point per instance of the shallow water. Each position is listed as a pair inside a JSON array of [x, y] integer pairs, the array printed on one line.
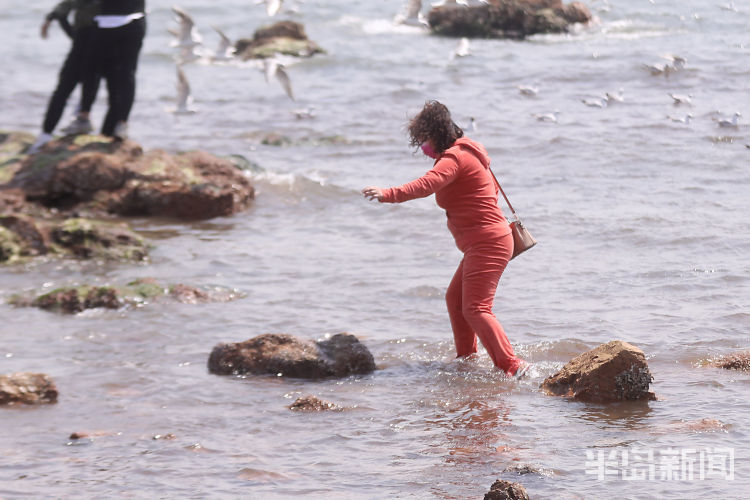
[[643, 233]]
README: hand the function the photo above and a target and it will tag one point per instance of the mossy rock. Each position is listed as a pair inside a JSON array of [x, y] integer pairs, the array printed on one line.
[[282, 45], [91, 239], [73, 300], [13, 146], [10, 246]]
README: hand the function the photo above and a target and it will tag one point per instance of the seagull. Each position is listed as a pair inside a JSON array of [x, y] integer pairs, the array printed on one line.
[[273, 7], [187, 55], [598, 102], [187, 36], [275, 68], [184, 98], [733, 123], [462, 49], [685, 120], [443, 3], [302, 113], [682, 98], [618, 97], [530, 90], [471, 126], [225, 51], [730, 7], [547, 117], [411, 15]]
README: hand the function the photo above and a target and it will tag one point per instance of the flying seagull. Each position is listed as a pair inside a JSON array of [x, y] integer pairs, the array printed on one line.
[[187, 36], [226, 50], [411, 14], [275, 68], [184, 97], [462, 49]]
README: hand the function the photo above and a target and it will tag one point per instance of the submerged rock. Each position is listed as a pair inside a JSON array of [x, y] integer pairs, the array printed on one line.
[[506, 490], [506, 18], [312, 403], [27, 388], [737, 361], [615, 371], [340, 356], [285, 37], [23, 236], [72, 300]]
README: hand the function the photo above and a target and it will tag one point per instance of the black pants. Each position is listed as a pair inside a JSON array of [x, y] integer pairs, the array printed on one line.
[[76, 68], [116, 56]]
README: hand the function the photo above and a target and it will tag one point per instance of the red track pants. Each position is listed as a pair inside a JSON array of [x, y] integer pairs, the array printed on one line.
[[470, 297]]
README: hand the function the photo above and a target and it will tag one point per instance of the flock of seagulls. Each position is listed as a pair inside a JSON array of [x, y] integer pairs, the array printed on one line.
[[676, 63], [188, 43]]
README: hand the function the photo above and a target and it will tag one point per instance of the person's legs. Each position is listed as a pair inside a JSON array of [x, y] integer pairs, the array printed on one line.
[[127, 46], [483, 265], [463, 335], [69, 76]]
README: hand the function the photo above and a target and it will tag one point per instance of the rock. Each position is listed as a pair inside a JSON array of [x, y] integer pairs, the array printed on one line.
[[72, 300], [90, 239], [284, 37], [10, 246], [506, 18], [95, 174], [340, 356], [738, 361], [311, 403], [506, 490], [27, 388], [32, 240], [615, 371]]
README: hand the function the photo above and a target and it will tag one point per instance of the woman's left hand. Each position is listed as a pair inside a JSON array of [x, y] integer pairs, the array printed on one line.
[[373, 193]]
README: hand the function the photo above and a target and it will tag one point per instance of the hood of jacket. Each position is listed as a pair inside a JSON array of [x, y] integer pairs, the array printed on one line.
[[466, 145]]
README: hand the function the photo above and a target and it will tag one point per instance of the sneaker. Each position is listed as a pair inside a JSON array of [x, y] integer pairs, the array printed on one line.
[[78, 126], [121, 131], [523, 370], [40, 141]]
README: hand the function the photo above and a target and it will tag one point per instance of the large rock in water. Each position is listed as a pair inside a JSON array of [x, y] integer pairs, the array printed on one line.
[[506, 490], [27, 388], [285, 37], [96, 174], [507, 18], [615, 371], [737, 361], [340, 356]]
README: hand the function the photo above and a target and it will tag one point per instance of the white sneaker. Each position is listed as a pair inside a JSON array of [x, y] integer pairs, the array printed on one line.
[[121, 131], [78, 126], [40, 141], [523, 370]]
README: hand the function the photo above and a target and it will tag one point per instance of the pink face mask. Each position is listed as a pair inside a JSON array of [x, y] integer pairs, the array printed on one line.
[[427, 149]]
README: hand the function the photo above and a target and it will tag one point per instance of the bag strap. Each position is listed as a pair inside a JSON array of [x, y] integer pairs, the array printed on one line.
[[503, 192]]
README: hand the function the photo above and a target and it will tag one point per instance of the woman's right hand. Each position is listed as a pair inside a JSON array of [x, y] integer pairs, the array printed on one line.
[[373, 193]]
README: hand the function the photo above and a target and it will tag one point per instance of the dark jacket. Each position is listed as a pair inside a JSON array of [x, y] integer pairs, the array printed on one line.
[[122, 7], [85, 10]]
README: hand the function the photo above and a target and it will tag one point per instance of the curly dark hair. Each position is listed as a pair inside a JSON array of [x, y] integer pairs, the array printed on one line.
[[434, 124]]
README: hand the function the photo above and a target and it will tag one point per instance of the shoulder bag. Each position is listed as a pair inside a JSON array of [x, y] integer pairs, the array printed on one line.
[[522, 239]]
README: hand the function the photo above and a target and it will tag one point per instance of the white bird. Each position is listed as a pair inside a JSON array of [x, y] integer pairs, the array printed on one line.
[[462, 49], [275, 68], [681, 98], [184, 97], [188, 55], [443, 3], [618, 97], [530, 90], [273, 7], [547, 117], [188, 35], [730, 7], [686, 119], [411, 14], [596, 102], [733, 123], [471, 126], [302, 113], [226, 50]]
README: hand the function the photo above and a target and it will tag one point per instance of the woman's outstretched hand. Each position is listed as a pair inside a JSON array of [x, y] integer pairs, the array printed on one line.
[[373, 193]]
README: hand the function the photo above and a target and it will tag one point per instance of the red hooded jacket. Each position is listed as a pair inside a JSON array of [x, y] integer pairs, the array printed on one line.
[[465, 188]]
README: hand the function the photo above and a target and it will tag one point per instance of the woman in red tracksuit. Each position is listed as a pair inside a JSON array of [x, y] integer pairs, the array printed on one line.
[[466, 189]]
